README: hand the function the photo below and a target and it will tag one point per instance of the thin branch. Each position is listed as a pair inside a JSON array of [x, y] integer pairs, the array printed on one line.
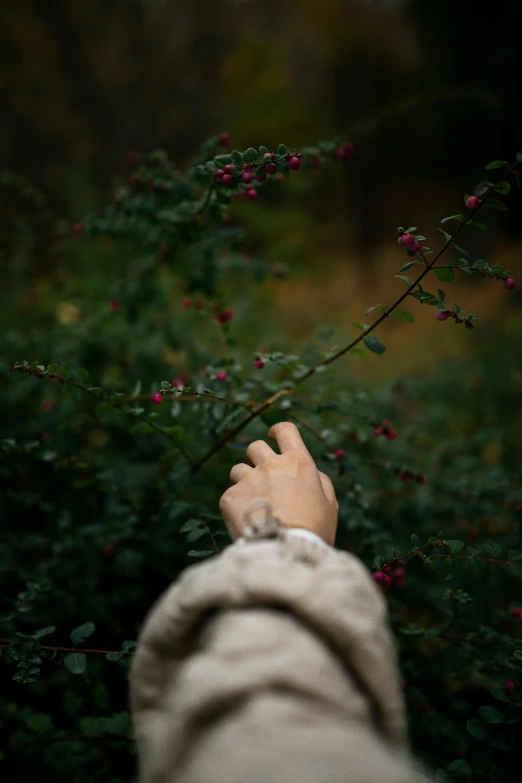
[[6, 643], [209, 531]]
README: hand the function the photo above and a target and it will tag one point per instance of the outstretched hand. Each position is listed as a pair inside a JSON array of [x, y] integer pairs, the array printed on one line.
[[299, 494]]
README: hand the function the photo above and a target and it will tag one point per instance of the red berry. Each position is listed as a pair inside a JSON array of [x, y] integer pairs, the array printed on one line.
[[442, 315], [246, 177], [387, 580], [406, 240], [509, 283], [108, 549], [260, 177], [404, 476], [268, 155], [271, 168], [473, 533], [163, 248], [348, 147], [392, 434], [378, 431], [386, 569], [472, 202], [219, 174], [510, 685], [294, 163], [251, 194], [398, 573], [157, 399], [225, 316], [228, 168], [47, 405], [228, 179], [339, 454], [180, 381], [187, 302], [221, 376], [115, 304], [77, 228], [259, 363], [378, 576], [422, 479], [516, 612], [414, 247], [224, 138]]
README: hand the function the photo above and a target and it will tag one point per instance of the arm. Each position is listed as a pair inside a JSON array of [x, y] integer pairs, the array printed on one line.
[[271, 662]]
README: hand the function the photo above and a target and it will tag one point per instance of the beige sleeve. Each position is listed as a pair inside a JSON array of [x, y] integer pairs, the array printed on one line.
[[270, 663]]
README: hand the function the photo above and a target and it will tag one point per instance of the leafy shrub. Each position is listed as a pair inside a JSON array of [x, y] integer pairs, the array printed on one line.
[[112, 476]]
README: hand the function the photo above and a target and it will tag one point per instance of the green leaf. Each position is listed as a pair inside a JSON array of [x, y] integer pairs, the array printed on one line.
[[359, 325], [165, 384], [496, 164], [414, 538], [407, 265], [281, 150], [76, 663], [403, 315], [263, 150], [516, 568], [407, 280], [441, 776], [492, 548], [515, 555], [460, 218], [52, 368], [44, 632], [494, 203], [478, 729], [446, 275], [202, 553], [249, 155], [374, 344], [519, 156], [491, 714], [503, 188], [475, 567], [80, 634], [115, 656], [441, 294], [39, 722], [479, 224], [480, 264], [455, 546], [237, 157], [451, 568], [459, 768], [360, 352], [499, 692], [375, 307]]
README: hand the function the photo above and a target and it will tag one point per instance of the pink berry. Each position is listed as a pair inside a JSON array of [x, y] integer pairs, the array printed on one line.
[[387, 580], [516, 612], [261, 177], [180, 381], [77, 228], [268, 155], [115, 304], [187, 302], [378, 431], [509, 283], [339, 454], [398, 573], [422, 479], [414, 247], [386, 569], [225, 316], [221, 376], [271, 168], [219, 174], [246, 177], [399, 583], [472, 202], [239, 195], [157, 399], [442, 315], [404, 477], [224, 138], [294, 163], [259, 363], [392, 434], [251, 194], [378, 576], [228, 168], [406, 239], [228, 179], [510, 685]]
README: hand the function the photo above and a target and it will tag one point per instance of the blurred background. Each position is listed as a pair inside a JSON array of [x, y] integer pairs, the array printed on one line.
[[428, 92]]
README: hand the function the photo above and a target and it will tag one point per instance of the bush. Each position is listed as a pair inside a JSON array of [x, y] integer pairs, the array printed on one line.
[[112, 476]]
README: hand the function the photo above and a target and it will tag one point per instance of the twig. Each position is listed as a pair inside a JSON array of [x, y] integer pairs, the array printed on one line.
[[6, 643], [209, 531]]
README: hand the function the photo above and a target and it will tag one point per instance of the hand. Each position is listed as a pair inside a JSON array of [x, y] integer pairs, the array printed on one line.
[[300, 496]]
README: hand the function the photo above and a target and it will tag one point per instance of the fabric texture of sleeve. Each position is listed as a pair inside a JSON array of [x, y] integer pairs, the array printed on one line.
[[271, 662]]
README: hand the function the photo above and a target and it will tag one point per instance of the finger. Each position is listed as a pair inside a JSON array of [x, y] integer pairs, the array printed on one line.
[[328, 488], [288, 437], [238, 471], [259, 451]]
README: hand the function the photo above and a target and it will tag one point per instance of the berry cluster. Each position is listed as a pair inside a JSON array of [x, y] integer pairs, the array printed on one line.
[[389, 576], [221, 314], [407, 475], [516, 614], [408, 241], [245, 173], [385, 429]]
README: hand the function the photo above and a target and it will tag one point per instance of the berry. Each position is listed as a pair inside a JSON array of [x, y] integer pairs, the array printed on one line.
[[404, 476], [115, 304], [224, 138], [509, 283], [422, 479], [259, 363], [251, 194], [442, 315], [472, 202], [225, 316], [406, 240], [77, 228], [271, 168], [260, 177], [246, 177], [516, 612], [239, 195], [387, 580], [473, 533], [378, 431], [219, 174], [315, 163], [180, 381], [391, 434], [221, 376], [414, 247], [228, 168], [294, 163], [157, 399], [348, 147], [228, 179], [47, 405], [187, 302], [339, 454], [108, 549], [398, 573], [378, 576], [510, 685], [386, 569], [163, 248], [268, 155]]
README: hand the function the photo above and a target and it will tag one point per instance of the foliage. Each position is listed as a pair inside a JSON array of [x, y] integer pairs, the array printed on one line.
[[112, 476]]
